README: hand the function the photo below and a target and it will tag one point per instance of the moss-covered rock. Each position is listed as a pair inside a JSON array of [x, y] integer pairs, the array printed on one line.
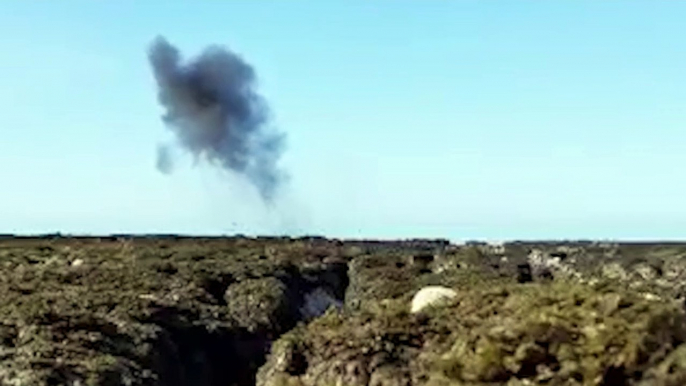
[[146, 311], [553, 333], [184, 311], [261, 304]]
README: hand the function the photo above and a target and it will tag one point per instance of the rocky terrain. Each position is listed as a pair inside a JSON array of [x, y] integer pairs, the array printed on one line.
[[174, 311]]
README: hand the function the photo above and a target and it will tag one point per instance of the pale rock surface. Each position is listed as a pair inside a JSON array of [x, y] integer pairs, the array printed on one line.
[[317, 302], [430, 296]]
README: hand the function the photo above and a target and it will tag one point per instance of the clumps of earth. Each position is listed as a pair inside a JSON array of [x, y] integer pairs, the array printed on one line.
[[175, 311]]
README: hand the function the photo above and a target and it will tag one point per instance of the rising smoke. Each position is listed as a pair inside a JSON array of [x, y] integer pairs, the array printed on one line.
[[165, 164], [216, 115]]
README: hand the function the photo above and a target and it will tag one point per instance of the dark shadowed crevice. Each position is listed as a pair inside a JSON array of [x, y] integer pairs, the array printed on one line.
[[188, 353], [317, 288], [216, 286], [615, 376], [524, 274]]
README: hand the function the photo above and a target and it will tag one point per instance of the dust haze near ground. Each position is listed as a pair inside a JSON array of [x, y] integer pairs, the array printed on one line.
[[216, 114]]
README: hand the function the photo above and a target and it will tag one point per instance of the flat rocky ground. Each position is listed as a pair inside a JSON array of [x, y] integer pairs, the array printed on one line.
[[172, 311]]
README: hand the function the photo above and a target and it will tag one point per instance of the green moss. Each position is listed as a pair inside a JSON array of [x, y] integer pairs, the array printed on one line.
[[563, 331], [495, 332], [258, 303], [101, 370], [98, 319]]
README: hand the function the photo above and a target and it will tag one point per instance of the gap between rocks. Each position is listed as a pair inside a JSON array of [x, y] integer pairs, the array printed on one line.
[[189, 354]]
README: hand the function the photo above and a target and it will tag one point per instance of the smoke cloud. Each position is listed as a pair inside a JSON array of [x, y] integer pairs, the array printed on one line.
[[216, 115], [164, 160]]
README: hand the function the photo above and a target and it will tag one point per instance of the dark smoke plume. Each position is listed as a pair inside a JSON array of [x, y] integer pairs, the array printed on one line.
[[215, 113]]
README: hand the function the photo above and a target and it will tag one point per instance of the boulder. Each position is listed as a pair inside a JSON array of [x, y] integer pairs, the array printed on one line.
[[431, 296]]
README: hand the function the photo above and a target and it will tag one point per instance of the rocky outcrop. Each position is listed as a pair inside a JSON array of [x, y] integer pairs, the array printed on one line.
[[521, 314], [547, 333], [154, 312], [177, 311]]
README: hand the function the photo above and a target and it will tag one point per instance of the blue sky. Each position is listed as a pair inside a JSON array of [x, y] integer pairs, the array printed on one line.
[[461, 119]]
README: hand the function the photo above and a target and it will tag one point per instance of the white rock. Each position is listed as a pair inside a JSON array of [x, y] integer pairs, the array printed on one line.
[[649, 296], [77, 263], [431, 296]]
